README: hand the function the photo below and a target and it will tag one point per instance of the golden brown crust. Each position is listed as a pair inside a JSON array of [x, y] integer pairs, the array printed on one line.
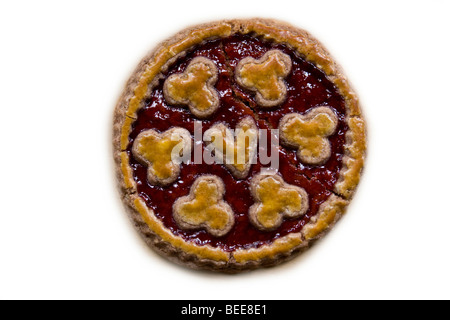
[[265, 77], [141, 83], [329, 213], [283, 246], [308, 133], [275, 200], [154, 150], [194, 88], [204, 207], [243, 145], [353, 160]]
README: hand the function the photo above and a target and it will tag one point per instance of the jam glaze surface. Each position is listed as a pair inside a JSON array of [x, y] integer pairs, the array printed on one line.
[[307, 87]]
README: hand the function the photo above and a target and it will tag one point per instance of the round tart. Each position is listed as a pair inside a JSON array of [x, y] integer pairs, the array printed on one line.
[[237, 144]]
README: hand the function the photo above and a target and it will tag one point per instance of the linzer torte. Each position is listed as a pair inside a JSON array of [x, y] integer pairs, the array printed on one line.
[[237, 144]]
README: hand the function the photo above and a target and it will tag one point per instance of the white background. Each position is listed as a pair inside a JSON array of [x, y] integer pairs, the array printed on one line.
[[63, 231]]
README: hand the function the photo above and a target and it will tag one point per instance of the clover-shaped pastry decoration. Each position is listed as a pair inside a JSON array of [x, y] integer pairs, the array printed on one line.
[[265, 76], [275, 200], [308, 134], [236, 151], [162, 153], [194, 87], [204, 207]]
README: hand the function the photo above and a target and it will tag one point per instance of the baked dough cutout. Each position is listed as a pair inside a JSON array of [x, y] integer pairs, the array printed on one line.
[[204, 207], [265, 77], [308, 134], [236, 151], [194, 88], [162, 153], [275, 200]]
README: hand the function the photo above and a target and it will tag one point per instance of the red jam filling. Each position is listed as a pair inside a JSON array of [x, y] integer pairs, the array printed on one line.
[[307, 87]]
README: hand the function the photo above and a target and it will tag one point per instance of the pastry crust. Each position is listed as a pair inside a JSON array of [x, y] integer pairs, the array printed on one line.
[[275, 200], [145, 78], [200, 74], [204, 207], [162, 170], [329, 213], [314, 149], [265, 77], [246, 128]]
